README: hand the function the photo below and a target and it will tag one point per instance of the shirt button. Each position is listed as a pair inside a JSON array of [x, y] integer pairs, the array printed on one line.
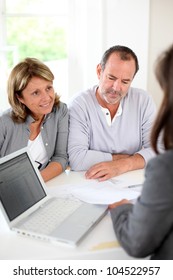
[[46, 144], [42, 127]]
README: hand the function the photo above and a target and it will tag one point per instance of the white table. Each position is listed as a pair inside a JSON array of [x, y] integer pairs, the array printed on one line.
[[100, 243]]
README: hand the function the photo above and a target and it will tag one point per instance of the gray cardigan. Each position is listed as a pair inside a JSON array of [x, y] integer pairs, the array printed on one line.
[[146, 229], [54, 131]]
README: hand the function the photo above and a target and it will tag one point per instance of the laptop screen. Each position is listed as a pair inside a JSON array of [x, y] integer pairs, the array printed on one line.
[[20, 187]]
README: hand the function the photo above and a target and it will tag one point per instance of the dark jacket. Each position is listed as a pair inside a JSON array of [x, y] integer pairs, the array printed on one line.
[[146, 229]]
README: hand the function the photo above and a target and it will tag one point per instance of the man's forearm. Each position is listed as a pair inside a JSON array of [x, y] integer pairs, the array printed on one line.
[[119, 156], [134, 162]]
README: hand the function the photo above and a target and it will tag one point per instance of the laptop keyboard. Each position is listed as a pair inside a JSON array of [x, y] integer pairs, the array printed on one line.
[[49, 216]]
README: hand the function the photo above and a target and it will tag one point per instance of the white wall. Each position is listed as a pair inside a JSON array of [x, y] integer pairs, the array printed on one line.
[[160, 37], [128, 24], [85, 42], [100, 24], [146, 26]]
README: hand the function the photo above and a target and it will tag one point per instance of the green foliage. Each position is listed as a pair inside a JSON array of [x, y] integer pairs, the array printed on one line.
[[39, 37]]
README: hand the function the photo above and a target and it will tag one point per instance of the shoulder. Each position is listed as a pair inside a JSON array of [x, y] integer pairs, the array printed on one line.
[[6, 122], [138, 94], [157, 186], [59, 113], [6, 116], [159, 172], [163, 161], [140, 99], [82, 98], [61, 108]]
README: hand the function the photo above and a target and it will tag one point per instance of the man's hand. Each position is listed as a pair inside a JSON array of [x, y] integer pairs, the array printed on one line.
[[105, 170], [108, 169]]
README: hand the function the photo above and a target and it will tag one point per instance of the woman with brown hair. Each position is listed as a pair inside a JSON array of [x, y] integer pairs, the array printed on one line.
[[146, 228], [37, 118]]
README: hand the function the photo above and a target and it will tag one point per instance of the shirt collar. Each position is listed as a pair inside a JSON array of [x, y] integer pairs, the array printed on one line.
[[108, 116]]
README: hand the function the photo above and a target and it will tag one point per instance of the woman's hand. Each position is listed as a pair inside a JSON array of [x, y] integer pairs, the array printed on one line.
[[121, 202]]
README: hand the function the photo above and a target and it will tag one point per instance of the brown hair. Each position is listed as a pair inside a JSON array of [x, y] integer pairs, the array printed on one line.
[[125, 53], [19, 78], [163, 125]]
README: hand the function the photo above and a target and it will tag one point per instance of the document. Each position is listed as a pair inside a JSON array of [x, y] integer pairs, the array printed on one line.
[[129, 178], [95, 192], [104, 193]]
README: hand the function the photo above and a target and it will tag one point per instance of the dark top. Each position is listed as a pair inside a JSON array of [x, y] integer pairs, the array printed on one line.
[[146, 229]]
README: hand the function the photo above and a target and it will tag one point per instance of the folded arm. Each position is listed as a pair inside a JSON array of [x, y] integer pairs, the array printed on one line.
[[120, 164]]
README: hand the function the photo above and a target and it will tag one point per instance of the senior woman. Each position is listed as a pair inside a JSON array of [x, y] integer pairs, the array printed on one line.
[[37, 118]]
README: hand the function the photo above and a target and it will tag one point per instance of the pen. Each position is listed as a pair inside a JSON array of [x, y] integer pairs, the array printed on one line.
[[135, 186]]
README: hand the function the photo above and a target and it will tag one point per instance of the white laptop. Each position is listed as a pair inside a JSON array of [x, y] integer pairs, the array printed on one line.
[[30, 211]]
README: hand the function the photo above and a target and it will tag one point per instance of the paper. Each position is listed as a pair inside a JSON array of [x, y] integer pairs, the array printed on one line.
[[129, 178], [103, 193], [96, 192]]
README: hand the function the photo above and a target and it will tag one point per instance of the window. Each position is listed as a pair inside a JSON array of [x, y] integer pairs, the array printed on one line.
[[35, 28]]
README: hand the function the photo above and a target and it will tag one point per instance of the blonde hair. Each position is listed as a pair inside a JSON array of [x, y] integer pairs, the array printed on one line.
[[19, 78]]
